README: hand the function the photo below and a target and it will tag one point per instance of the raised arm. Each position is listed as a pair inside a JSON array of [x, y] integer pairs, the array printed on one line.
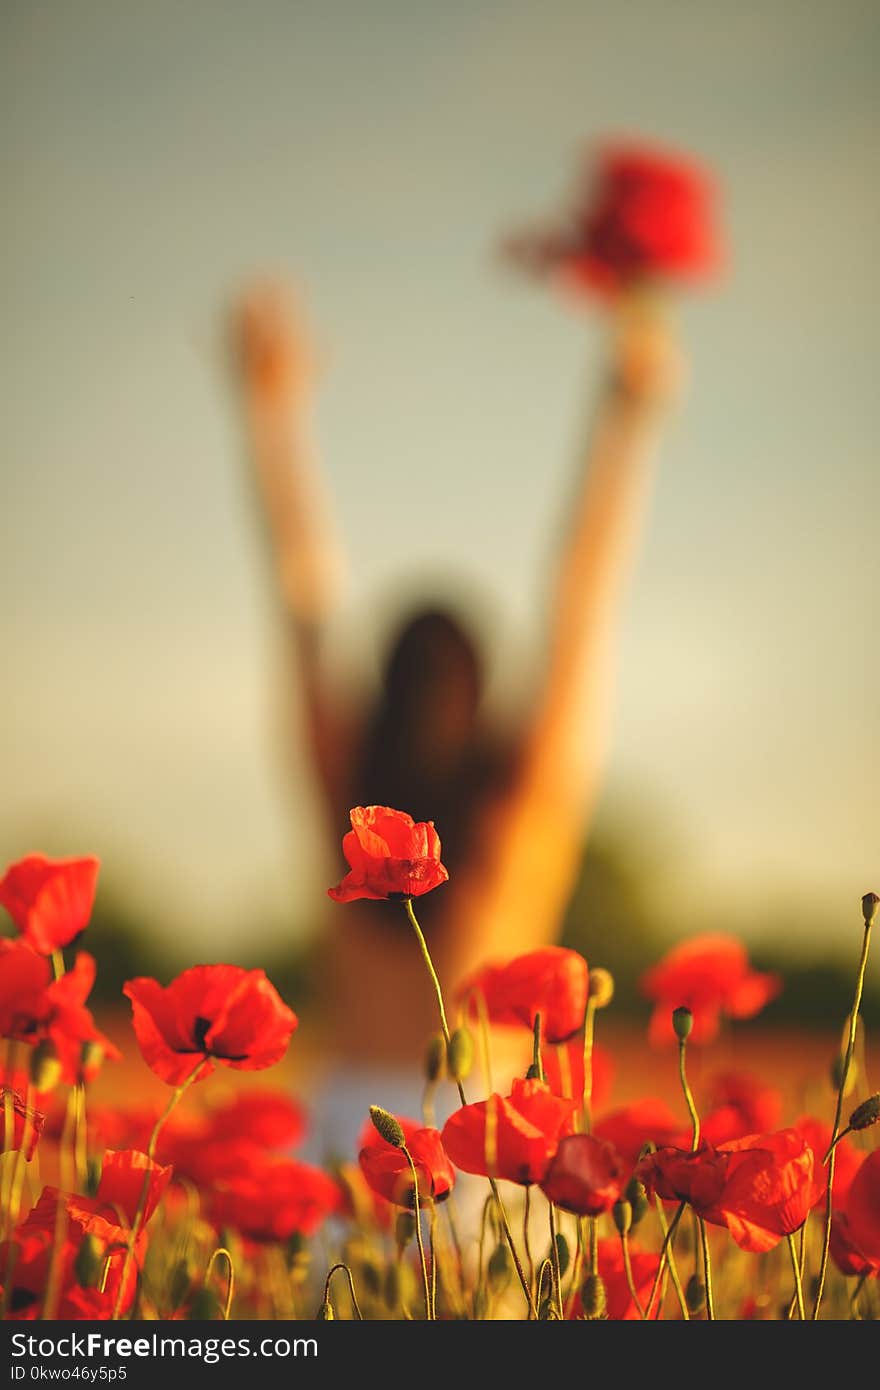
[[535, 843], [277, 380]]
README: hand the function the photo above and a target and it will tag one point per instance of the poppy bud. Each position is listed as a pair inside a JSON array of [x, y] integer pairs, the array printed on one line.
[[836, 1074], [460, 1054], [45, 1066], [533, 1073], [601, 989], [499, 1269], [866, 1114], [594, 1298], [435, 1058], [695, 1295], [637, 1197], [404, 1229], [89, 1263], [388, 1127], [870, 903], [682, 1022], [562, 1253], [622, 1213], [547, 1311], [325, 1313], [205, 1307]]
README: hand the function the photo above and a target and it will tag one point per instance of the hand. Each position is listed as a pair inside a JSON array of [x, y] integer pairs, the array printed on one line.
[[272, 346]]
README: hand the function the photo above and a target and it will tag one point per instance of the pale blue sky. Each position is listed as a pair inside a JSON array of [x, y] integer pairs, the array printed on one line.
[[155, 157]]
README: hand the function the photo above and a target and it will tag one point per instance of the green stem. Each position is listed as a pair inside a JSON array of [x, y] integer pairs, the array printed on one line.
[[557, 1268], [841, 1092], [348, 1274], [418, 1216], [670, 1260], [707, 1267], [230, 1277], [798, 1285], [630, 1282], [527, 1244], [142, 1203], [688, 1095], [505, 1224], [589, 1021], [666, 1246]]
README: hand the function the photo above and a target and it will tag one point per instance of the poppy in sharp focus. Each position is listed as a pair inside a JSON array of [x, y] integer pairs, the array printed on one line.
[[389, 855], [585, 1175], [511, 1137], [772, 1182], [711, 976], [221, 1014], [49, 900]]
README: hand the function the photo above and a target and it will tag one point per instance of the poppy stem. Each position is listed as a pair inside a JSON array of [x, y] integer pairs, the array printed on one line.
[[589, 1021], [502, 1214], [142, 1202], [557, 1267], [627, 1269], [416, 1211], [798, 1285], [665, 1247], [527, 1245], [348, 1275], [58, 964], [707, 1267], [688, 1095], [869, 909], [670, 1260], [230, 1277]]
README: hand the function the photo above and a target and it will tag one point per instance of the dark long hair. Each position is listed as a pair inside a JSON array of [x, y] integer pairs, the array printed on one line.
[[425, 749]]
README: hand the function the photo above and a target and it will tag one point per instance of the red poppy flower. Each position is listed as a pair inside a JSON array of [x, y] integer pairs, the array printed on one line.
[[564, 1071], [630, 1127], [27, 1124], [274, 1199], [390, 855], [740, 1105], [772, 1182], [49, 900], [847, 1162], [269, 1119], [643, 215], [388, 1173], [678, 1175], [620, 1305], [108, 1217], [846, 1253], [223, 1014], [511, 1137], [551, 982], [862, 1210], [585, 1176], [709, 975], [34, 1009]]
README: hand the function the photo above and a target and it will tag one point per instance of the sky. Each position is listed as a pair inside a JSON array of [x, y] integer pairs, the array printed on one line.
[[158, 158]]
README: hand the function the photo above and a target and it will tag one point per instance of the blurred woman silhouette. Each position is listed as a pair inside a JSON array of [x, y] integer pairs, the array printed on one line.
[[512, 811]]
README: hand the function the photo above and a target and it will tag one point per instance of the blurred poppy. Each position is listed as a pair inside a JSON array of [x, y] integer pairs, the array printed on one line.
[[585, 1176], [630, 1127], [223, 1014], [709, 975], [27, 1124], [389, 855], [511, 1137], [551, 982], [644, 215], [563, 1066], [35, 1009], [847, 1161], [740, 1105], [49, 900], [274, 1199], [862, 1211], [388, 1173]]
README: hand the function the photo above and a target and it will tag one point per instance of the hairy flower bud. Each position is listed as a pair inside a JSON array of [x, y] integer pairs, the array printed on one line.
[[622, 1214], [870, 903], [325, 1313], [866, 1114], [388, 1127], [562, 1253], [695, 1295], [404, 1229], [637, 1197], [500, 1269], [594, 1298], [435, 1058]]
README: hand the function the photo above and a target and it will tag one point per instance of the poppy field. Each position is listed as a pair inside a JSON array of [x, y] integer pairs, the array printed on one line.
[[570, 1208]]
